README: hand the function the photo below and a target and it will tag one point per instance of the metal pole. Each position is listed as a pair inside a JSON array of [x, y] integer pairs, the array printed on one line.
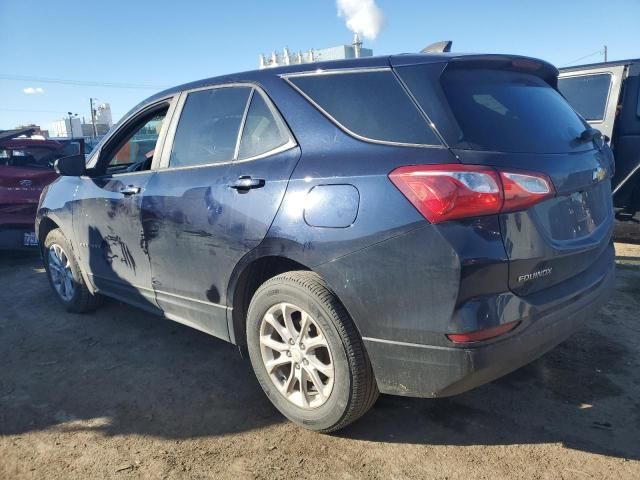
[[605, 53], [93, 118]]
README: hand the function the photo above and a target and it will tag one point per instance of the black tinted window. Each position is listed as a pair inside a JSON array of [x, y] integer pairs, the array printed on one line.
[[262, 131], [208, 128], [498, 110], [587, 94], [371, 104], [30, 157]]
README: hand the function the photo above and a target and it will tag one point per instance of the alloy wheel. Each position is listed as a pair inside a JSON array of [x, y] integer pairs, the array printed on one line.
[[296, 355], [60, 272]]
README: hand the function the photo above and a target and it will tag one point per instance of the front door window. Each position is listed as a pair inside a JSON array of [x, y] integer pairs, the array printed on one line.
[[136, 150]]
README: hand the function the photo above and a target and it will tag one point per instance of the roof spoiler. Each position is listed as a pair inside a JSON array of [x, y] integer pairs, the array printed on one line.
[[535, 66], [438, 47]]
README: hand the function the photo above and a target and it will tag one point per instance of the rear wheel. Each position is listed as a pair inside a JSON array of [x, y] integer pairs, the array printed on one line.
[[307, 354], [64, 274]]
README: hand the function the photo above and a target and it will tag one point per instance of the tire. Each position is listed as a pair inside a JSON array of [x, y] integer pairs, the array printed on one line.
[[60, 264], [333, 358]]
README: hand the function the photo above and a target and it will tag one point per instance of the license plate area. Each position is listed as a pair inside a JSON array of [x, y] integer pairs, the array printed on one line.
[[30, 239], [576, 215]]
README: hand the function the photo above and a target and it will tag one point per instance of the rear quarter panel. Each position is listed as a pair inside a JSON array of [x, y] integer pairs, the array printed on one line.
[[387, 259]]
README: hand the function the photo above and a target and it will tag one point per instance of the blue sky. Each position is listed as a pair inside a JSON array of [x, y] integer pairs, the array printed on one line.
[[163, 43]]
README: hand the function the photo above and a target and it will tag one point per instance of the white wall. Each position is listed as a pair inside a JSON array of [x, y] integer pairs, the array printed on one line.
[[62, 128]]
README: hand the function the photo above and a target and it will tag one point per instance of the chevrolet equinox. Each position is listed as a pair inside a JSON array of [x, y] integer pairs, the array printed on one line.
[[412, 224]]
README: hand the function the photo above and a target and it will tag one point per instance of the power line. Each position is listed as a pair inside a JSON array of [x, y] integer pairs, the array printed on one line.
[[61, 113], [598, 52], [2, 109], [87, 83]]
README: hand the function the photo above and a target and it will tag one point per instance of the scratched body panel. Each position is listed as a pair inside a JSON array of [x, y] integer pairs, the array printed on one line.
[[109, 238]]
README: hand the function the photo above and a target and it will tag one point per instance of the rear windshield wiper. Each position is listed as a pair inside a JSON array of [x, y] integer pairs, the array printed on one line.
[[589, 134]]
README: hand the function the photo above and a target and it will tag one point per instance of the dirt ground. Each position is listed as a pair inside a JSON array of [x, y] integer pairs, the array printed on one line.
[[122, 394]]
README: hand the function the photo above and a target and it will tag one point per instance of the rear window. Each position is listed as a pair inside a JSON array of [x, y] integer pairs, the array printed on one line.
[[371, 104], [587, 94], [30, 157], [496, 110]]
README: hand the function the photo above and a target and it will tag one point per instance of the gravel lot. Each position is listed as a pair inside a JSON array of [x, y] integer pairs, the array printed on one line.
[[122, 394]]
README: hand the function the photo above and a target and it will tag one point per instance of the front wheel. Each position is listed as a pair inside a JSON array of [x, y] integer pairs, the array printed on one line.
[[307, 354], [64, 274]]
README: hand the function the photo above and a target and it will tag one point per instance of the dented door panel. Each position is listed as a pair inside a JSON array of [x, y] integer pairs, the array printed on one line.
[[110, 237]]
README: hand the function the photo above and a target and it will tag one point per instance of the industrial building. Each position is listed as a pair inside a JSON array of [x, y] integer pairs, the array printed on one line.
[[340, 52], [74, 127]]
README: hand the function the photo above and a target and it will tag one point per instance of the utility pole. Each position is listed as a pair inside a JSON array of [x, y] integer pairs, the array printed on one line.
[[93, 118], [605, 53], [71, 117]]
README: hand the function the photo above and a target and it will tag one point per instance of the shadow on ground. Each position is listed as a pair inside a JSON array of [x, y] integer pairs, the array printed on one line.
[[121, 371]]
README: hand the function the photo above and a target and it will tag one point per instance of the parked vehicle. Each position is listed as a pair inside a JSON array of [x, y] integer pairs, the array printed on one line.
[[413, 224], [607, 95], [26, 167]]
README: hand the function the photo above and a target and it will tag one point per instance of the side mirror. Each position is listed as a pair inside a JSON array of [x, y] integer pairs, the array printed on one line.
[[72, 166], [606, 138]]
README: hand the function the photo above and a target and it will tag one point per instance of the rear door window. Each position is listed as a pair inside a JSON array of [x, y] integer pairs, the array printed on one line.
[[588, 94], [209, 125], [369, 104], [263, 131], [496, 110]]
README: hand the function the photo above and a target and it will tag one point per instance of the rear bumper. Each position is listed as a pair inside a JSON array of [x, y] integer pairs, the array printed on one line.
[[12, 238], [437, 371]]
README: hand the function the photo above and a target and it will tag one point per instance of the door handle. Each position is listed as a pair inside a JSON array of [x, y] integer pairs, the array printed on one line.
[[246, 183], [130, 190]]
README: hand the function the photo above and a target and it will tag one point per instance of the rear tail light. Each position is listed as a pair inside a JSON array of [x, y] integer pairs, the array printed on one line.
[[480, 335], [447, 192], [521, 190]]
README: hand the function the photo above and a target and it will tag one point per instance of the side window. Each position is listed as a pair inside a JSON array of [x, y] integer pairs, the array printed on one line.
[[370, 104], [135, 150], [208, 128], [587, 94], [262, 131]]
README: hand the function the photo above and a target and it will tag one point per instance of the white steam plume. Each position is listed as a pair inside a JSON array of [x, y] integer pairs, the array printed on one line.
[[362, 16]]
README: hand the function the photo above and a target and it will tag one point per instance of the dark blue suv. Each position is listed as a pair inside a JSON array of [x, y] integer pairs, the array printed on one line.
[[414, 225]]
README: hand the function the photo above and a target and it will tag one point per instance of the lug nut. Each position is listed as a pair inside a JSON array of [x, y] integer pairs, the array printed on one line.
[[288, 353], [297, 366], [302, 346], [305, 361], [291, 342]]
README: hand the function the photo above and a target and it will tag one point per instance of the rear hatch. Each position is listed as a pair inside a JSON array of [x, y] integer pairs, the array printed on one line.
[[505, 112], [20, 190]]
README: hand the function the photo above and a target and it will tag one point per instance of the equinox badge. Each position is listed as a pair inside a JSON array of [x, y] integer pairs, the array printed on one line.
[[545, 272]]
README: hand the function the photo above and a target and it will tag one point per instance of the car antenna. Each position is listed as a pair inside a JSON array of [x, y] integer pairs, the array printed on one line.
[[438, 47]]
